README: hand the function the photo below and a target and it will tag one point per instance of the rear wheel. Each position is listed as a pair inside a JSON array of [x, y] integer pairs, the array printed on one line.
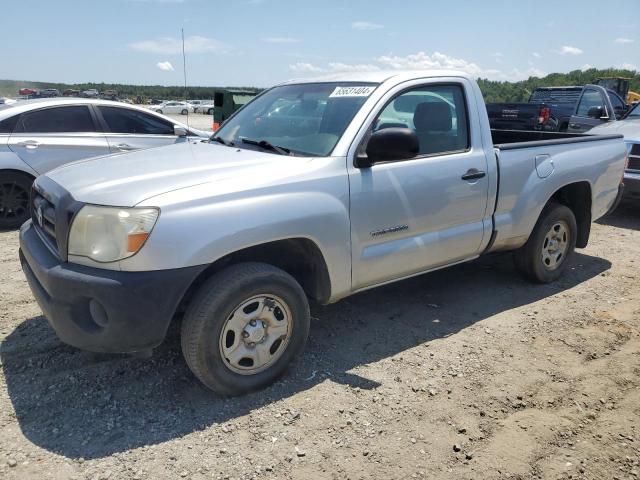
[[184, 111], [210, 111], [159, 111], [14, 199], [544, 257], [244, 326]]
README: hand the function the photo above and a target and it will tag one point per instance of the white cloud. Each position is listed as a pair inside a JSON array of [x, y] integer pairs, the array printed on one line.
[[173, 46], [623, 40], [420, 61], [630, 66], [498, 57], [587, 66], [281, 40], [569, 50], [536, 54], [165, 66], [347, 67], [365, 26], [302, 67]]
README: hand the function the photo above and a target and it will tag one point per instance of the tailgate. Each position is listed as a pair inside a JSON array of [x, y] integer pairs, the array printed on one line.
[[512, 115]]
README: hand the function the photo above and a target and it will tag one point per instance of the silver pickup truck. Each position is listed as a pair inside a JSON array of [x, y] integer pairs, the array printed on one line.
[[316, 189]]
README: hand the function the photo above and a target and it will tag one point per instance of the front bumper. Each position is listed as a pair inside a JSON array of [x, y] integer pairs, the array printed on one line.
[[632, 185], [102, 310]]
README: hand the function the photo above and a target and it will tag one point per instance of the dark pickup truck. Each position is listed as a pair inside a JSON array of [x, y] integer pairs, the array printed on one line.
[[548, 109]]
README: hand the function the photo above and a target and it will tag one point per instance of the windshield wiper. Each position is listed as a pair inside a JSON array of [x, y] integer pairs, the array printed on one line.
[[222, 141], [267, 146]]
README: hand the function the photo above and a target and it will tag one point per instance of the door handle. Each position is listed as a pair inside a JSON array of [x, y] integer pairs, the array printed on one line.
[[124, 147], [30, 144], [473, 174]]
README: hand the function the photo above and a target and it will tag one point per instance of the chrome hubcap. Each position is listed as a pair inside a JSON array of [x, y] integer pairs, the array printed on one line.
[[554, 247], [256, 334]]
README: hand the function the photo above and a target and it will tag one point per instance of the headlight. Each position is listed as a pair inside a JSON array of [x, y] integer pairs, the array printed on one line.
[[109, 234]]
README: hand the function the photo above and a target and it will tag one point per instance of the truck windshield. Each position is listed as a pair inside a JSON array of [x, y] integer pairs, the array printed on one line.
[[304, 119], [635, 112]]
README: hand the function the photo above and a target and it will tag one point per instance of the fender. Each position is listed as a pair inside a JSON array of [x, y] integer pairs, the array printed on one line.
[[205, 231], [11, 161]]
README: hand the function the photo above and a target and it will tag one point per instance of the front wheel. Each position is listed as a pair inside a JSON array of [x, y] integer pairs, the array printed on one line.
[[244, 326], [14, 199], [544, 257]]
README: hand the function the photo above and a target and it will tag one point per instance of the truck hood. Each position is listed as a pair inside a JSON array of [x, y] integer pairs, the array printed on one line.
[[129, 178], [630, 128]]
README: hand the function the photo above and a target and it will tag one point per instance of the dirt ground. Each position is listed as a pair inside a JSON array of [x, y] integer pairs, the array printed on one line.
[[466, 373]]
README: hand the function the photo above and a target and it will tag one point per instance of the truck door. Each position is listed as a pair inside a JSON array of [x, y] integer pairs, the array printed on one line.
[[593, 108], [413, 215]]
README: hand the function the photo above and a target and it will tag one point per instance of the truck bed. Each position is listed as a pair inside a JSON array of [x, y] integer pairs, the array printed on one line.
[[513, 139]]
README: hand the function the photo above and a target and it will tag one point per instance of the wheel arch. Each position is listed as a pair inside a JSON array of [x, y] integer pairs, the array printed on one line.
[[578, 197], [300, 257]]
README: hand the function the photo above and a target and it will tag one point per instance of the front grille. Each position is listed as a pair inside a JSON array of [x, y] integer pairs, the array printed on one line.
[[43, 214]]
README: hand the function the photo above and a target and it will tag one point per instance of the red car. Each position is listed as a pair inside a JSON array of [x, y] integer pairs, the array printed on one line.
[[27, 91]]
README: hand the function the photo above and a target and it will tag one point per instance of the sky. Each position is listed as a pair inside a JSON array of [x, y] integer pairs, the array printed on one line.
[[262, 42]]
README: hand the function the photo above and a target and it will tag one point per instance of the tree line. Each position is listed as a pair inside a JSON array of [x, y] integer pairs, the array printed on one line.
[[519, 91], [493, 91]]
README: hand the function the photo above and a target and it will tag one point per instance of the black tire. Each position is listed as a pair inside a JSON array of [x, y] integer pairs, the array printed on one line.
[[215, 302], [184, 111], [210, 111], [15, 188], [529, 258], [159, 111]]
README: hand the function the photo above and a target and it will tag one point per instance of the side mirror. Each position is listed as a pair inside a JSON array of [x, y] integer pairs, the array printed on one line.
[[179, 131], [388, 145], [595, 112]]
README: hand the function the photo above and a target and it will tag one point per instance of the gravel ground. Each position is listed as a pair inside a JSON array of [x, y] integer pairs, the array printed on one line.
[[465, 373], [195, 120]]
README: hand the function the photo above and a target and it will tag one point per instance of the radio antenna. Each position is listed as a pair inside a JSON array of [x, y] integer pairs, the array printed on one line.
[[184, 71]]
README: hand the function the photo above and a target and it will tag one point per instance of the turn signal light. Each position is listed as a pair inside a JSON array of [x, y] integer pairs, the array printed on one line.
[[135, 241]]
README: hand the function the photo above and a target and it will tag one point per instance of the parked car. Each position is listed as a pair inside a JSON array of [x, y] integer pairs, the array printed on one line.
[[7, 101], [49, 93], [197, 104], [90, 93], [39, 135], [183, 108], [109, 95], [595, 107], [206, 108], [70, 92], [548, 109], [238, 233], [27, 91], [629, 126]]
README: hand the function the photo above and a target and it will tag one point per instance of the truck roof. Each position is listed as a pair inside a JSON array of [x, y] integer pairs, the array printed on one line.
[[379, 76]]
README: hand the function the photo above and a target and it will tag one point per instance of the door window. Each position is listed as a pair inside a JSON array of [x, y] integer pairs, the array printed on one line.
[[125, 120], [7, 125], [437, 114], [590, 99], [70, 119]]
